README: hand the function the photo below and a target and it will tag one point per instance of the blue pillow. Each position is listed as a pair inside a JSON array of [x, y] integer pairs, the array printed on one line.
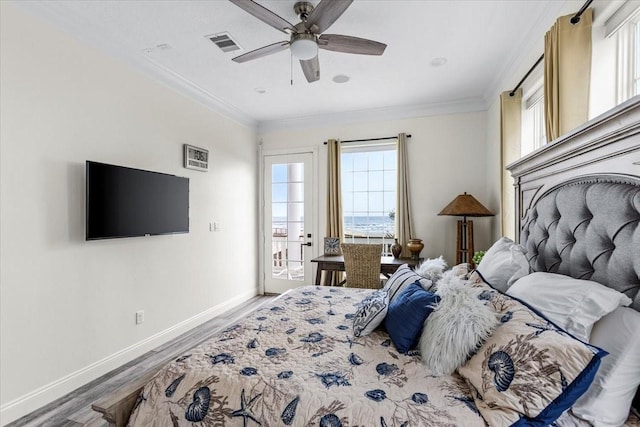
[[406, 315]]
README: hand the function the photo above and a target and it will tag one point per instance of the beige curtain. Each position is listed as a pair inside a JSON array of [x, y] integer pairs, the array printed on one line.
[[403, 204], [334, 199], [567, 74], [510, 134]]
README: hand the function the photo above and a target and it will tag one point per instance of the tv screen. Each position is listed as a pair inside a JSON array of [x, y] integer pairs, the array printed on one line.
[[126, 202]]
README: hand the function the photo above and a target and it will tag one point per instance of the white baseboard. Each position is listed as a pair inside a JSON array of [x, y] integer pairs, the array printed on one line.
[[46, 394]]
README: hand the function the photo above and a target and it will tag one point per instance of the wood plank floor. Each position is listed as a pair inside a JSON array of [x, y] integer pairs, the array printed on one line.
[[74, 409]]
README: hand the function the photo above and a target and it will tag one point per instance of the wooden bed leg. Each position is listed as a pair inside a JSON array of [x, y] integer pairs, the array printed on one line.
[[116, 407]]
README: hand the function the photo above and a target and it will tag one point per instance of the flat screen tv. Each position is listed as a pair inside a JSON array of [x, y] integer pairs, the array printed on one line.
[[126, 202]]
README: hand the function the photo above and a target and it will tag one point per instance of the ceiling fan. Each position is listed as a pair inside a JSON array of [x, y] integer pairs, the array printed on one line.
[[306, 35]]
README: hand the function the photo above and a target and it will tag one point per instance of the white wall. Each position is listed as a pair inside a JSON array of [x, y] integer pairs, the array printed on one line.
[[67, 305], [447, 157], [494, 167]]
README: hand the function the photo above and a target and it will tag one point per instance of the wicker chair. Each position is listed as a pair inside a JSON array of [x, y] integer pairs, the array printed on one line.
[[362, 265]]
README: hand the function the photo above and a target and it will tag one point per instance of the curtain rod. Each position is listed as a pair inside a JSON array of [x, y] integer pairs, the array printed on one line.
[[576, 17], [574, 20], [369, 139], [513, 92]]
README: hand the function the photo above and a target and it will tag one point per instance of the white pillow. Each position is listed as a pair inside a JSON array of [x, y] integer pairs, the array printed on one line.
[[503, 264], [458, 325], [607, 401], [371, 312], [403, 277], [572, 304]]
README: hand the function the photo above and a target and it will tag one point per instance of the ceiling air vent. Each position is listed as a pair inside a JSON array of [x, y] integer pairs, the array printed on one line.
[[224, 42]]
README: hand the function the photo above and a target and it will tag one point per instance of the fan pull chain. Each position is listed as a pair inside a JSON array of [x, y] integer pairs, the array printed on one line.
[[291, 66]]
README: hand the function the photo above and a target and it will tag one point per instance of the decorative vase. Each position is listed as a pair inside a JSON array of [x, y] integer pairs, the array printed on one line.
[[415, 246], [396, 249]]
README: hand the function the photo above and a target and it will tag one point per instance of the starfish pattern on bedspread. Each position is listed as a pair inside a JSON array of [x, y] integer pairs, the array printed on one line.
[[245, 407], [296, 361]]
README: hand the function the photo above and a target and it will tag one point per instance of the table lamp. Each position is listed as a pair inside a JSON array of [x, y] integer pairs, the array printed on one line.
[[465, 205]]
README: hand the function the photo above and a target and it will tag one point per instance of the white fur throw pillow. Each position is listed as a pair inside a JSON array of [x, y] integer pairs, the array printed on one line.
[[457, 273], [431, 269], [460, 323]]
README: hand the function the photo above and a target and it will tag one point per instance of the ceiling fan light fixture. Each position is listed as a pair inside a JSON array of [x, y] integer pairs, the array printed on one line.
[[304, 47], [307, 36]]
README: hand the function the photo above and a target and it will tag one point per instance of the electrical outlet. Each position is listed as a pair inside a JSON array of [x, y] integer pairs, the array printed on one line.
[[139, 317]]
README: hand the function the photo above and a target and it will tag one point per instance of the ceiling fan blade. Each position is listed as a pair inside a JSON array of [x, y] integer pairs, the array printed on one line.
[[325, 14], [265, 15], [311, 69], [263, 51], [349, 44]]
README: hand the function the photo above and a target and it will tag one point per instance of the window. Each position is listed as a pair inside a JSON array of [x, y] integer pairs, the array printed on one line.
[[534, 133], [629, 59], [636, 51], [287, 220], [369, 175]]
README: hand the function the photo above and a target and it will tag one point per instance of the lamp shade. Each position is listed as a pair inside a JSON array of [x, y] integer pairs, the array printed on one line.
[[465, 205]]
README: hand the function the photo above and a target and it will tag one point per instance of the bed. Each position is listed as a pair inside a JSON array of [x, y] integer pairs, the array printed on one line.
[[297, 361]]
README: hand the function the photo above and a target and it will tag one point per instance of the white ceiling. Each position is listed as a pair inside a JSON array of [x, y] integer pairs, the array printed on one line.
[[482, 41]]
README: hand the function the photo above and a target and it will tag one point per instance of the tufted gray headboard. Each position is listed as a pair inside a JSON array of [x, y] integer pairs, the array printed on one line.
[[578, 202], [588, 229]]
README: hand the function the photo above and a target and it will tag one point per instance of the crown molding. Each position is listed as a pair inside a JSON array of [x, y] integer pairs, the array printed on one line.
[[66, 22], [376, 114], [527, 49]]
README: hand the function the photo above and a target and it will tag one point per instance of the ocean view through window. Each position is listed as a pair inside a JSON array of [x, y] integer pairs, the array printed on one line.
[[287, 213], [369, 176]]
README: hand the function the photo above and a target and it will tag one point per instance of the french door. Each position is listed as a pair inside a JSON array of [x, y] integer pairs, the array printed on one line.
[[288, 221]]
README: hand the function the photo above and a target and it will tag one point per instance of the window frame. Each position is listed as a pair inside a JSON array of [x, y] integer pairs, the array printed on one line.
[[368, 147], [533, 129], [628, 69]]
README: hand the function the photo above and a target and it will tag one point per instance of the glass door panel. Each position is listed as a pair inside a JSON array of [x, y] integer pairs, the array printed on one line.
[[287, 247]]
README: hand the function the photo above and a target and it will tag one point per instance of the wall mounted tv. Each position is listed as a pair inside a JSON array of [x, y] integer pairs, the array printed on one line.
[[126, 202]]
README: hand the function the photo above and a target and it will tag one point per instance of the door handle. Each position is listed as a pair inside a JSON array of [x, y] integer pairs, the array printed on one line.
[[305, 244]]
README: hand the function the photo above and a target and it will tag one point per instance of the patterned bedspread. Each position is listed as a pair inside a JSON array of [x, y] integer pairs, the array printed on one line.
[[295, 362]]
